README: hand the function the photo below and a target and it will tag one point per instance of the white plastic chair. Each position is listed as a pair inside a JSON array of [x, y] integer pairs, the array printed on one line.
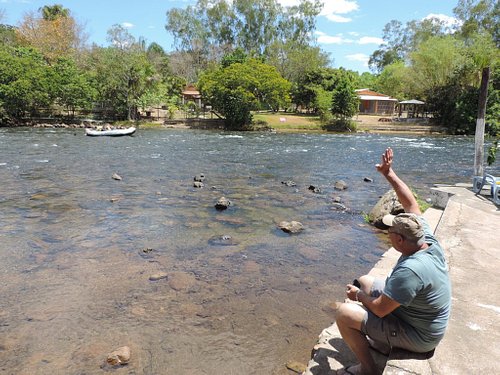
[[478, 183]]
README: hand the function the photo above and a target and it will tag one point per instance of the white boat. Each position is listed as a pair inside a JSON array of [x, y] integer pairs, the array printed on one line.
[[110, 133]]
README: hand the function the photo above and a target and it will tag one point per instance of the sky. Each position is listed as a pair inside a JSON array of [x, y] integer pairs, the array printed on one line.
[[349, 30]]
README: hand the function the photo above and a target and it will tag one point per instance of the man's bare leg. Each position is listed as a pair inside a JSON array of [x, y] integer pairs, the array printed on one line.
[[349, 319]]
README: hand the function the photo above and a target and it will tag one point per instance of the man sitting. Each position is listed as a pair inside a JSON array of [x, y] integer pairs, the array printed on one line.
[[410, 309]]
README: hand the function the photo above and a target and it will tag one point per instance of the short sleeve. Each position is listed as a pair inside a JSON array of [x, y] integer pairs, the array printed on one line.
[[429, 234], [403, 285]]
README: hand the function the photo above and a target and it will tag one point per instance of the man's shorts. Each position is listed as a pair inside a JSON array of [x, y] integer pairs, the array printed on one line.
[[388, 330]]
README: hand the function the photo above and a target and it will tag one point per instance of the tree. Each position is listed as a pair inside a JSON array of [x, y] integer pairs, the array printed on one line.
[[293, 59], [345, 101], [251, 25], [121, 78], [394, 80], [400, 41], [53, 32], [312, 83], [25, 85], [435, 62], [52, 13], [239, 88], [119, 37], [72, 88], [479, 17]]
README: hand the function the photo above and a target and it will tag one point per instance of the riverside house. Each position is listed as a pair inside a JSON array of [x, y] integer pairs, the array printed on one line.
[[375, 103]]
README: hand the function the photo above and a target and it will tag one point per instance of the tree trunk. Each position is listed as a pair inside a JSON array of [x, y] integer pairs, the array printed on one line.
[[480, 123]]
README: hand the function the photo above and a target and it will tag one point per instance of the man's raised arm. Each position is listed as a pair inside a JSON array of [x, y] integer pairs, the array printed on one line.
[[402, 190]]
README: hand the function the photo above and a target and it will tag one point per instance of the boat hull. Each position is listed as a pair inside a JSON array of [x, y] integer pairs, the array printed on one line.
[[110, 133]]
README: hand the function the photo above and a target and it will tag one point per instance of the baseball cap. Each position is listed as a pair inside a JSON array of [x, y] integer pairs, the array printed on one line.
[[405, 224]]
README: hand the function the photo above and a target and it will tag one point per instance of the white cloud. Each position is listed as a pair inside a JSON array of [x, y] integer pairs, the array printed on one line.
[[450, 22], [127, 25], [361, 57], [333, 8], [331, 39], [370, 40]]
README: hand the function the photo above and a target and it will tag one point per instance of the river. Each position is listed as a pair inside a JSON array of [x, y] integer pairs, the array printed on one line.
[[78, 248]]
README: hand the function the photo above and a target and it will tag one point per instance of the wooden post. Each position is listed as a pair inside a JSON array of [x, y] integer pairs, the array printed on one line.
[[480, 123]]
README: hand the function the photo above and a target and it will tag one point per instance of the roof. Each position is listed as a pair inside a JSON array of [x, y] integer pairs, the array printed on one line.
[[367, 94], [412, 101], [374, 97]]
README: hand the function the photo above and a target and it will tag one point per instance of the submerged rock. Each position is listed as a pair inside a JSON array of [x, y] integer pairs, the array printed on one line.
[[222, 204], [120, 356], [314, 189], [340, 185], [199, 178], [224, 240], [291, 227]]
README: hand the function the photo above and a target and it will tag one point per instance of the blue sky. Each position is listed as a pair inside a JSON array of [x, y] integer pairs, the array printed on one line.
[[350, 30]]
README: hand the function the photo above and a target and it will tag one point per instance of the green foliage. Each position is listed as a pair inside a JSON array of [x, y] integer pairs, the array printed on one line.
[[454, 107], [312, 83], [492, 153], [345, 102], [239, 88], [237, 56], [251, 25], [8, 36], [393, 81], [24, 82], [72, 88]]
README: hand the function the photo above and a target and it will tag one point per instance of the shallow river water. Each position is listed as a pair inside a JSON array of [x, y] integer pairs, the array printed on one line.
[[77, 248]]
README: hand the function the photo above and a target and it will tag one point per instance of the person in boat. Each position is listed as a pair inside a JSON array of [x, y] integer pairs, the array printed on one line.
[[410, 309]]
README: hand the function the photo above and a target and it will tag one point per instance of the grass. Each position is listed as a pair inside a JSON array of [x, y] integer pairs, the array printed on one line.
[[293, 121]]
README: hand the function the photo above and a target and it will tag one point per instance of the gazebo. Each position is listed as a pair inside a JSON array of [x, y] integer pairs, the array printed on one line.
[[413, 107]]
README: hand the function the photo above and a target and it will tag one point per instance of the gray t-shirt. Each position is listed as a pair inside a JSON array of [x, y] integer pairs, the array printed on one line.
[[421, 285]]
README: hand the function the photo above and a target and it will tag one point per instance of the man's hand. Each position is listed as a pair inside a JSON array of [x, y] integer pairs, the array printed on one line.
[[351, 292], [386, 164]]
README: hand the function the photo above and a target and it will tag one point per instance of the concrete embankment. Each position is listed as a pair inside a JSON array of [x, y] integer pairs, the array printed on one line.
[[468, 228]]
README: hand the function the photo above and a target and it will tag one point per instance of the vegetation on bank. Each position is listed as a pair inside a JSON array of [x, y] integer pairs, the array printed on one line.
[[242, 65]]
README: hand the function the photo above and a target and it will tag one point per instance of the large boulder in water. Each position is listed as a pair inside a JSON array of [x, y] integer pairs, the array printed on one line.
[[388, 204]]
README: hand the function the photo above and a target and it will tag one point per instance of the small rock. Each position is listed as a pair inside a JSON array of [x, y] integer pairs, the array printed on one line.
[[120, 356], [158, 276], [368, 179], [116, 177], [340, 185], [338, 207], [222, 204], [199, 178], [337, 199], [296, 367], [198, 184], [314, 189], [292, 227], [288, 183]]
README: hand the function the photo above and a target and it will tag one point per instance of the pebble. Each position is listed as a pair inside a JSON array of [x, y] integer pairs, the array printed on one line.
[[158, 276], [120, 356]]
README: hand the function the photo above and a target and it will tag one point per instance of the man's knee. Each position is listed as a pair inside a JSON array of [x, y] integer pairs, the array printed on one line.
[[350, 315]]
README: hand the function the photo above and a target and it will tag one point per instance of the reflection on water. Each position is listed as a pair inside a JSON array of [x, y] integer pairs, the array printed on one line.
[[78, 248]]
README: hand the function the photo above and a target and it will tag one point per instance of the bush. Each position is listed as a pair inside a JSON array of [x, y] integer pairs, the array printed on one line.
[[341, 125]]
